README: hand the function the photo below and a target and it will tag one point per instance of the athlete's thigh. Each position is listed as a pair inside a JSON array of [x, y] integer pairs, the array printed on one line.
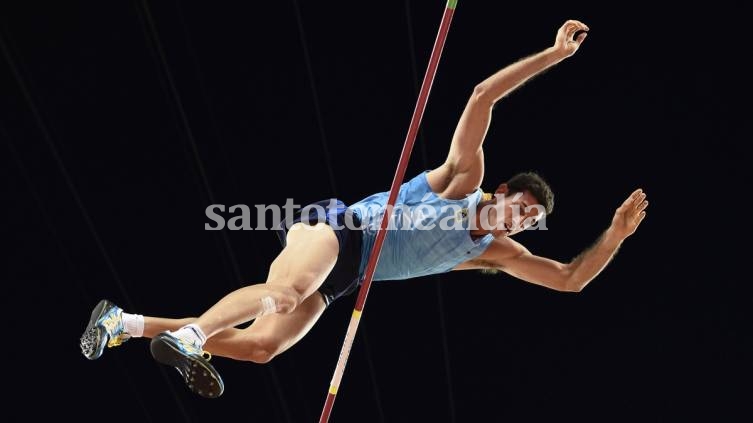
[[310, 254]]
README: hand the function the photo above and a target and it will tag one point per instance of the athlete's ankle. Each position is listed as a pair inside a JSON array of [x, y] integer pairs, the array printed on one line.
[[191, 333], [133, 324]]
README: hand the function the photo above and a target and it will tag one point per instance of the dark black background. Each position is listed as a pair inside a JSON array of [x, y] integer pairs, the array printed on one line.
[[122, 121]]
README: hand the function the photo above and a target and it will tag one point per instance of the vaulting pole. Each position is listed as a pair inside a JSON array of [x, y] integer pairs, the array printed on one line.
[[410, 140]]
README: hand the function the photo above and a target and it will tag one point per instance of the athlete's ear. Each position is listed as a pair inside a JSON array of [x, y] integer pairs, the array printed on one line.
[[502, 189]]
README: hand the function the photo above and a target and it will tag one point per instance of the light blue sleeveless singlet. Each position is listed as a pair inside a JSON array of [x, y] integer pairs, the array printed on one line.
[[416, 243]]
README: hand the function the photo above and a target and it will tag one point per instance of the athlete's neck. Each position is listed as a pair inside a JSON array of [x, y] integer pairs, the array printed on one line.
[[479, 230]]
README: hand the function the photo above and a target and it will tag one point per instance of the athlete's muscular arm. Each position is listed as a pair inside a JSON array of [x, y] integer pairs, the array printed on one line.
[[573, 276], [513, 258], [463, 170]]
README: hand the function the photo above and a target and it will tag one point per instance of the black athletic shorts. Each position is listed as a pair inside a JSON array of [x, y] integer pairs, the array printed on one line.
[[344, 278]]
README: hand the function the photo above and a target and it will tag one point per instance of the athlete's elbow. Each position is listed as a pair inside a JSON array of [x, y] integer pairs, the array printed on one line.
[[569, 287], [561, 285], [482, 96], [574, 285], [570, 282]]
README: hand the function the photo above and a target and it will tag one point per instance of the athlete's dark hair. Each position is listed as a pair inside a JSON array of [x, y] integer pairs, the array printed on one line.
[[536, 185]]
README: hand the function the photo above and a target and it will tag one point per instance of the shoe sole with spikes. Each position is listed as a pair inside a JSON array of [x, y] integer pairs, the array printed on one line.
[[95, 337], [196, 371]]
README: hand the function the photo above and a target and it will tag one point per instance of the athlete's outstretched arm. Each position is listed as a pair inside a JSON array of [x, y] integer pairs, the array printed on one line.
[[463, 170], [513, 258]]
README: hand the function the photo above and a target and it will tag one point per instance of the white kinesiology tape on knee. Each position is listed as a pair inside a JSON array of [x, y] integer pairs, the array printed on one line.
[[268, 305]]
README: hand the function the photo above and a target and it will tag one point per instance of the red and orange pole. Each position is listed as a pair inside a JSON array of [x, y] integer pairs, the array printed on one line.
[[402, 165]]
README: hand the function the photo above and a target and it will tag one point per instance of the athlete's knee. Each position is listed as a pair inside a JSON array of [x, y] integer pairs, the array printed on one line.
[[261, 356], [263, 349], [280, 299]]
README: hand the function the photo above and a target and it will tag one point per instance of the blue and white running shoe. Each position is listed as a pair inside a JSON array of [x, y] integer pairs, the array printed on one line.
[[190, 361], [105, 328]]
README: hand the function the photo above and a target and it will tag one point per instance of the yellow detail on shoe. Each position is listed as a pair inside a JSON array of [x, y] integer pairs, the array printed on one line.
[[205, 354], [111, 323], [116, 341]]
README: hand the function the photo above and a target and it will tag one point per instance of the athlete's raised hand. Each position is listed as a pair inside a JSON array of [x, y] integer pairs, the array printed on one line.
[[566, 42], [630, 214]]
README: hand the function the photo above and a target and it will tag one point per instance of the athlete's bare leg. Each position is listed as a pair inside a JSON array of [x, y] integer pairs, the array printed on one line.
[[280, 310], [295, 274], [267, 336]]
